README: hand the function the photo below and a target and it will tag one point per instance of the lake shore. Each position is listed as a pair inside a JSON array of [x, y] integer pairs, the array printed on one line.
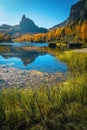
[[11, 77], [82, 50]]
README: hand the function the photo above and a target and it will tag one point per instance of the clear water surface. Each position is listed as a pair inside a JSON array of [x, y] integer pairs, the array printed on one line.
[[30, 60]]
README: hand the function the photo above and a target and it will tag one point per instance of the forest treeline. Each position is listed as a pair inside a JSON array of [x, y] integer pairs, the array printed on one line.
[[74, 32], [5, 37]]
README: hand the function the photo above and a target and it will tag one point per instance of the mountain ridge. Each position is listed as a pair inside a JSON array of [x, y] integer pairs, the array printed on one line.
[[78, 14], [26, 25]]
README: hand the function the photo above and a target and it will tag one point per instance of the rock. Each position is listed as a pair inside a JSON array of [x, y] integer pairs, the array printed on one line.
[[27, 78], [78, 14]]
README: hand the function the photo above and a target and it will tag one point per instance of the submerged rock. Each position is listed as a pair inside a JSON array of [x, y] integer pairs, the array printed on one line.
[[11, 77]]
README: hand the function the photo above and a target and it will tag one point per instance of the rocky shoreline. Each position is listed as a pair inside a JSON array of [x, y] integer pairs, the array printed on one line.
[[11, 77]]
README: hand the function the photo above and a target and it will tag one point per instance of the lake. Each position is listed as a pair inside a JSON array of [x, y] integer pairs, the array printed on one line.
[[13, 56], [24, 44]]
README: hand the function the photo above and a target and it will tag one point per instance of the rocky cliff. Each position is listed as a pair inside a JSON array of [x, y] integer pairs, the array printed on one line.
[[78, 14]]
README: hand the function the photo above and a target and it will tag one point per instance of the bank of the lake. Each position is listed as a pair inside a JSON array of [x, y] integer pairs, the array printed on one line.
[[62, 106]]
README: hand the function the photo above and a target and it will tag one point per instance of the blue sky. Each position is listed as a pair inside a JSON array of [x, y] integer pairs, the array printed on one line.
[[45, 13]]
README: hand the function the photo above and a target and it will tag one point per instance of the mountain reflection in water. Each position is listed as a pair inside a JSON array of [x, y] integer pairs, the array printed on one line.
[[17, 57]]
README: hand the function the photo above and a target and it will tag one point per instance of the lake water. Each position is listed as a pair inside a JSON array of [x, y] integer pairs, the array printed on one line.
[[13, 56], [24, 44]]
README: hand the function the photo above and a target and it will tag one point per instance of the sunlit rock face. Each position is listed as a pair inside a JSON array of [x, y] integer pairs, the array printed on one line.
[[78, 12]]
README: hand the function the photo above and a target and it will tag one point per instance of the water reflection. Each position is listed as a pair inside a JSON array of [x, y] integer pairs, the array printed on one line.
[[17, 57], [23, 44]]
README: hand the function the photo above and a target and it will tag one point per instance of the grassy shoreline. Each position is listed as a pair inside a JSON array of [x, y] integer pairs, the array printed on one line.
[[62, 107]]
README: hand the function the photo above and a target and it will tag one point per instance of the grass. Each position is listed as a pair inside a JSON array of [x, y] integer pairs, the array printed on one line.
[[62, 107], [77, 62]]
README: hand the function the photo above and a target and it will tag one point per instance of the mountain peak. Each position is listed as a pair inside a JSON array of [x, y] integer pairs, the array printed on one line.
[[26, 25], [23, 17]]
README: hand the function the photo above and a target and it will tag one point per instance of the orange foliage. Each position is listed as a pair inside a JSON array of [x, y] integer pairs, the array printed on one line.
[[74, 31], [4, 37], [84, 31]]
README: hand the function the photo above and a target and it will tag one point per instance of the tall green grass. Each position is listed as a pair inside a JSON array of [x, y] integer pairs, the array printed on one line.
[[77, 62], [62, 107]]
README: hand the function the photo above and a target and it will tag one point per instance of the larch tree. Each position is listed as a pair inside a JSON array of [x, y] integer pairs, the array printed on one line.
[[84, 32]]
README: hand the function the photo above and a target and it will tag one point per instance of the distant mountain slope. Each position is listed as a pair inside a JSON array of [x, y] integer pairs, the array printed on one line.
[[59, 25], [26, 25], [4, 26], [78, 14]]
